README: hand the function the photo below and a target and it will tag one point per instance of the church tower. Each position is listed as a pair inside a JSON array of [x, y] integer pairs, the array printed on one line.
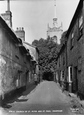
[[56, 31], [8, 15]]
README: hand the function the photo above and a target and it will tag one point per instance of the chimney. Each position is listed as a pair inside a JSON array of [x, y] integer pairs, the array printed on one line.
[[20, 33], [8, 14]]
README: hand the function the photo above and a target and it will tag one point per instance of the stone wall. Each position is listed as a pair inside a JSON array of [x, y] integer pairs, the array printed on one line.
[[14, 65]]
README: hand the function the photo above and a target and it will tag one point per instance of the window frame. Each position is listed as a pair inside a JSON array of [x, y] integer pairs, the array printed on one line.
[[80, 26]]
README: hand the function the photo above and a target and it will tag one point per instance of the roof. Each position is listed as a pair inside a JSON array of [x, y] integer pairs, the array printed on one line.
[[14, 37], [9, 29], [32, 46], [23, 48], [79, 7], [32, 49]]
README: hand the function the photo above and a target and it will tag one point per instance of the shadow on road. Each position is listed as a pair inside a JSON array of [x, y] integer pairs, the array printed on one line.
[[7, 106], [21, 100], [12, 99], [29, 89]]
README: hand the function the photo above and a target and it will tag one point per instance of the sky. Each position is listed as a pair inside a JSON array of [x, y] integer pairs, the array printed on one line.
[[34, 15]]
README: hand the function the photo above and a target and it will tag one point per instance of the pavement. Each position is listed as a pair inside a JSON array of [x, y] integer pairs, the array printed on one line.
[[46, 98], [74, 99], [74, 96]]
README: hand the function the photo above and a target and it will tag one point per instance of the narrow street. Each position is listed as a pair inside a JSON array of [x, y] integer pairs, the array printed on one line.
[[46, 98], [42, 57]]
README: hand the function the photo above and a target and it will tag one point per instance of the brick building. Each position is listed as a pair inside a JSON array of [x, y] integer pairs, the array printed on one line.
[[74, 45]]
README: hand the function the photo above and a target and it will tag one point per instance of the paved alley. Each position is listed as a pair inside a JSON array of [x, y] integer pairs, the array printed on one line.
[[46, 98]]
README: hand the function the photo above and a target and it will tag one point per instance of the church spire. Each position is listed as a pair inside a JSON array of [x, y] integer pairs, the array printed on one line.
[[8, 5], [55, 9], [55, 17]]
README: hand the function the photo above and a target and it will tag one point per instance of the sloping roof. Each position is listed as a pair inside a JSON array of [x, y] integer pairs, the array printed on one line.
[[79, 7], [32, 50], [9, 29]]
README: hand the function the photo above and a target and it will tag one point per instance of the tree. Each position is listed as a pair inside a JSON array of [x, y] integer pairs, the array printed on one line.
[[48, 51]]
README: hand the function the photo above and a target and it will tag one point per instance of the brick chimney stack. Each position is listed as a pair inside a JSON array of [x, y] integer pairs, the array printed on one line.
[[20, 33]]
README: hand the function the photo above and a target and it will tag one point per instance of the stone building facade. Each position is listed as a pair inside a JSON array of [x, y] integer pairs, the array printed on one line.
[[15, 61], [34, 52], [61, 62], [18, 63], [74, 51]]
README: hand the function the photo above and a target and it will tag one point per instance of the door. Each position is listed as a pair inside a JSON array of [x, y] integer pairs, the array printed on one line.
[[75, 84]]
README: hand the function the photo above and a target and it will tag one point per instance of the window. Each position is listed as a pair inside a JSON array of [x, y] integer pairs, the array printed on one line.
[[63, 59], [80, 31], [63, 74], [72, 41], [80, 27], [80, 21], [70, 73], [72, 35]]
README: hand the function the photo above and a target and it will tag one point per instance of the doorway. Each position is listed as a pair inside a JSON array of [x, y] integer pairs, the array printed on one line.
[[75, 83]]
